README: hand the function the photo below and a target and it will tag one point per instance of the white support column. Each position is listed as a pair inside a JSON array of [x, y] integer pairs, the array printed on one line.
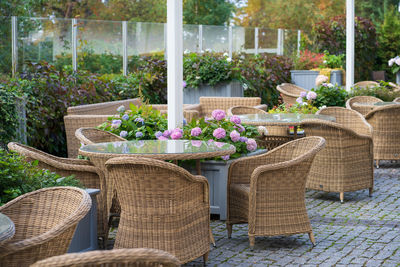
[[74, 44], [256, 41], [230, 41], [165, 41], [298, 42], [200, 38], [14, 45], [349, 44], [125, 48], [280, 42], [175, 63]]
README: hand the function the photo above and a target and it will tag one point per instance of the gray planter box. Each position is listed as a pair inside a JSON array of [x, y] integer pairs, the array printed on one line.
[[85, 236], [216, 173], [231, 89], [306, 78]]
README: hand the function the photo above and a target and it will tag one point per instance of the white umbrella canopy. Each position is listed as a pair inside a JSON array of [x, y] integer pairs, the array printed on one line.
[[175, 58]]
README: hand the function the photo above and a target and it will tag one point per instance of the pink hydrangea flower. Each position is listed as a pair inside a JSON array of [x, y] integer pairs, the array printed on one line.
[[195, 131], [218, 114], [251, 144], [235, 136], [219, 144], [162, 138], [299, 100], [196, 143], [235, 119], [210, 141], [219, 133], [303, 94], [311, 95], [225, 157], [166, 133], [176, 134], [240, 128], [116, 123]]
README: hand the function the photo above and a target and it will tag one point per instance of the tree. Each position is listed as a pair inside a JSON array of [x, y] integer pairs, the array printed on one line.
[[208, 12], [374, 9]]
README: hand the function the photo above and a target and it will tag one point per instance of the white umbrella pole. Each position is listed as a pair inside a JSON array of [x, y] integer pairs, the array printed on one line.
[[349, 44], [175, 63]]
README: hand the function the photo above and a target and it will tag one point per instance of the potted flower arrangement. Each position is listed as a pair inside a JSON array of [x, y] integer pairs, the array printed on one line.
[[394, 64]]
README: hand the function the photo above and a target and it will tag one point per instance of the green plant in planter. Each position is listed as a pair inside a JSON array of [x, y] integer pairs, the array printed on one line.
[[332, 61], [18, 177], [330, 95], [384, 91], [305, 105]]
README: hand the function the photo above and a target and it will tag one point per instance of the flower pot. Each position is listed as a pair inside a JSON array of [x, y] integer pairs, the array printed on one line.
[[306, 78], [227, 89], [216, 173]]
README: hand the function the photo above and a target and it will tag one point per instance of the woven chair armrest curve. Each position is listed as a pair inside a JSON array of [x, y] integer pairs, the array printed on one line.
[[73, 219], [286, 92], [244, 160], [202, 179], [336, 126], [372, 112], [262, 107], [196, 107]]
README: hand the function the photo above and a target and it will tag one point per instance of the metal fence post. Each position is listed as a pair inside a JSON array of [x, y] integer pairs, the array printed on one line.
[[14, 45], [298, 42], [200, 38], [74, 44], [20, 110], [165, 42], [125, 48], [280, 42], [256, 41], [230, 41]]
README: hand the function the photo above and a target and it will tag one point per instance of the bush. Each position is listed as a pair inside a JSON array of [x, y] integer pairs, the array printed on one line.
[[384, 91], [18, 177], [331, 35], [308, 60], [330, 95]]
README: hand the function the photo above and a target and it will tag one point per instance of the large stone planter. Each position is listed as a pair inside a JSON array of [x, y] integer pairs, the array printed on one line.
[[85, 236], [216, 173], [230, 89], [306, 78]]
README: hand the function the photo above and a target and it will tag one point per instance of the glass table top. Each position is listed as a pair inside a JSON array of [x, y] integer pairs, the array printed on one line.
[[6, 228], [376, 103], [158, 147], [285, 118]]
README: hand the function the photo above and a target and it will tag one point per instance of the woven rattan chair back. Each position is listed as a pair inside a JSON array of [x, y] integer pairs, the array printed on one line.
[[397, 99], [385, 121], [290, 92], [208, 104], [362, 99], [346, 164], [89, 135], [267, 190], [45, 221], [162, 206], [241, 110], [105, 108], [83, 170], [135, 257], [366, 84]]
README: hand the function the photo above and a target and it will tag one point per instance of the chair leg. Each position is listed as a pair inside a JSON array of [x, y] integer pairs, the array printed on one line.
[[229, 228], [312, 238], [377, 163], [370, 191], [252, 240], [341, 196], [212, 238], [205, 258]]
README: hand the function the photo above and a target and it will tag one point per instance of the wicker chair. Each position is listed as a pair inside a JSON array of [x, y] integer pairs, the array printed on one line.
[[45, 221], [346, 164], [385, 121], [208, 104], [268, 191], [162, 206], [290, 92], [89, 135], [397, 99], [366, 84], [135, 257], [84, 171], [105, 108], [362, 99]]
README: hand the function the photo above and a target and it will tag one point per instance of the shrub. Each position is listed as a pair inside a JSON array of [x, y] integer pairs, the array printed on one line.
[[330, 95], [18, 177], [333, 61], [384, 91], [331, 35], [308, 60], [305, 104]]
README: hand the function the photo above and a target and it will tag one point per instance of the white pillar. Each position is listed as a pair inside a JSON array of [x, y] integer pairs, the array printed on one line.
[[74, 44], [230, 49], [349, 44], [14, 45], [200, 38], [298, 42], [256, 41], [125, 48], [175, 63]]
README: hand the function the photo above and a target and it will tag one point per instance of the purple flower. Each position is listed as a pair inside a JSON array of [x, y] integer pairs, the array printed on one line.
[[196, 143], [176, 134], [210, 141], [139, 134], [158, 134], [235, 119], [184, 84], [243, 139], [116, 123], [125, 117], [303, 94], [219, 144], [299, 100], [184, 122], [251, 145], [166, 133], [218, 114], [206, 119], [235, 136], [240, 128], [139, 120], [219, 133], [121, 109], [123, 134], [226, 157], [195, 131], [311, 95], [162, 138]]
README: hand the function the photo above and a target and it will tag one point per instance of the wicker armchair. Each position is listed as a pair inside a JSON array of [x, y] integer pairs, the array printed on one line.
[[268, 191], [208, 104], [135, 257], [290, 92], [397, 99], [162, 206], [346, 164], [366, 84], [385, 121], [362, 99], [84, 171], [89, 135], [104, 108], [45, 221]]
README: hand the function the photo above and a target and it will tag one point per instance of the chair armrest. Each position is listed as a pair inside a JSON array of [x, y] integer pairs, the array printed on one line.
[[202, 179], [262, 107]]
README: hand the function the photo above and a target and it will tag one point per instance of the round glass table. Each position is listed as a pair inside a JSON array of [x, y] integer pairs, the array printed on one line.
[[7, 228], [376, 104]]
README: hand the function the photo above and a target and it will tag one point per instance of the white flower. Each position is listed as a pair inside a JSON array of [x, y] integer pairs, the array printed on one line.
[[262, 130], [397, 61], [226, 54], [330, 85], [391, 62], [304, 103], [186, 51], [229, 59], [202, 51], [245, 86], [322, 107], [324, 62], [208, 50], [198, 77]]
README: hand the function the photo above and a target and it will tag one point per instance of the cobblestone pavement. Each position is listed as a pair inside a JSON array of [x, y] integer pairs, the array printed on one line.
[[363, 231]]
